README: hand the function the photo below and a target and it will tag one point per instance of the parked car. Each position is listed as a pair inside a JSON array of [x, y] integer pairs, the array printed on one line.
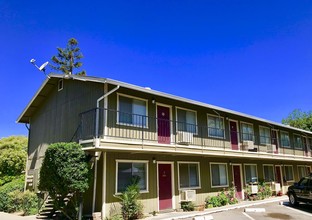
[[301, 191]]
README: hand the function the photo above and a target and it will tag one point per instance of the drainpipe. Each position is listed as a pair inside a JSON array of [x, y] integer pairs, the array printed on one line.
[[97, 142], [97, 157], [104, 187], [98, 113]]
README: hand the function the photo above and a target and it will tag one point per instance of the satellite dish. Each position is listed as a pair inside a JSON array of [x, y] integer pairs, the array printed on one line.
[[41, 68]]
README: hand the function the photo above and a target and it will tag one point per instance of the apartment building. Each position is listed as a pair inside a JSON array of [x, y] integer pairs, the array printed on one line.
[[179, 148]]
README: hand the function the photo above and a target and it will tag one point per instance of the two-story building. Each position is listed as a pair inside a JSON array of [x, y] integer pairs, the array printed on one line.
[[178, 147]]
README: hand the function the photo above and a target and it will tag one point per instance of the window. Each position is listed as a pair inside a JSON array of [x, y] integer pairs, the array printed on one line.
[[132, 111], [298, 142], [289, 173], [126, 171], [189, 175], [215, 127], [265, 137], [302, 171], [251, 175], [247, 132], [285, 139], [186, 120], [268, 171], [219, 175]]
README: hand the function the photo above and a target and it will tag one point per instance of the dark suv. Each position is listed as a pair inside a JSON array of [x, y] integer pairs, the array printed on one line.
[[301, 191]]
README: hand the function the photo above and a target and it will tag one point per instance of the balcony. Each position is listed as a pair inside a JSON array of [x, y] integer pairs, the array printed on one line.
[[119, 128]]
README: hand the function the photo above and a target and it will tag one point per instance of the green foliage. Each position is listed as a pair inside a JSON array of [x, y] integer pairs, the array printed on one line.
[[12, 157], [14, 142], [12, 162], [264, 191], [187, 206], [213, 201], [67, 59], [116, 217], [29, 203], [222, 199], [299, 119], [131, 208], [65, 171], [6, 197]]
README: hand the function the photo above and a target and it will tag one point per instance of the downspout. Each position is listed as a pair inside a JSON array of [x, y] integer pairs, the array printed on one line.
[[96, 158], [97, 110], [104, 188], [27, 157], [97, 142]]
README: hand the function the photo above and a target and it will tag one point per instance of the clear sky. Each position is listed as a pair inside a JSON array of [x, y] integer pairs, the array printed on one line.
[[254, 57]]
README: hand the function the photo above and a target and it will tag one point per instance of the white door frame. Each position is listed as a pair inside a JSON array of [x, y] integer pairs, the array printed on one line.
[[172, 183], [241, 177]]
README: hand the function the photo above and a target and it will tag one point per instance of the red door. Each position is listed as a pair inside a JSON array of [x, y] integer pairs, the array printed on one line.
[[164, 186], [237, 181], [274, 140], [278, 176], [234, 135], [163, 123]]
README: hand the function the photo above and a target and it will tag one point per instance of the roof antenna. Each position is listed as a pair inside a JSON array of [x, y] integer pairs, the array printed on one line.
[[41, 68]]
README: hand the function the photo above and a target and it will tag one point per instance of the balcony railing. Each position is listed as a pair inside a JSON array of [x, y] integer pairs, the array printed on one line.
[[120, 126]]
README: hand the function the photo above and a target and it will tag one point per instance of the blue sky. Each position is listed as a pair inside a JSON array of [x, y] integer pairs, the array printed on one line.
[[250, 56]]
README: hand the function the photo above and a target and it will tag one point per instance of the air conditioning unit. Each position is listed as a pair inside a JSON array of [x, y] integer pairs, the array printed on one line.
[[185, 137], [248, 145], [271, 148], [188, 195], [276, 187], [253, 189]]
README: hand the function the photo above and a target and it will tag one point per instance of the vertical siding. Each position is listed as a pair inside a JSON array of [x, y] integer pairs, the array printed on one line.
[[150, 200], [57, 118]]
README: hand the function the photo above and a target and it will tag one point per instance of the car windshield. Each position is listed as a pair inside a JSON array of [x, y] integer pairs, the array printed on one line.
[[303, 182]]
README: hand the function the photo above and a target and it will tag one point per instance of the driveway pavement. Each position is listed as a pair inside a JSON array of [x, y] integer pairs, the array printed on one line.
[[6, 216], [191, 215]]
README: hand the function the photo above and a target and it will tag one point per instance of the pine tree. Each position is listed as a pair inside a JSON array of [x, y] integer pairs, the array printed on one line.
[[67, 59]]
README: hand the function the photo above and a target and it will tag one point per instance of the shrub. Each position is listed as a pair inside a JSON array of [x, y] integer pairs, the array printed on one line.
[[14, 201], [29, 203], [187, 206], [264, 191], [12, 157], [214, 201], [6, 197], [65, 171], [222, 199], [131, 208]]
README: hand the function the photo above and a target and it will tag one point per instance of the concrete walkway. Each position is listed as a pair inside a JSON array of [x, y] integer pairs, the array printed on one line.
[[7, 216], [191, 215], [174, 215]]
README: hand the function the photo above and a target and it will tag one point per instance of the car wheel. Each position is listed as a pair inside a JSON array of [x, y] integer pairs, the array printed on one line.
[[292, 199]]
